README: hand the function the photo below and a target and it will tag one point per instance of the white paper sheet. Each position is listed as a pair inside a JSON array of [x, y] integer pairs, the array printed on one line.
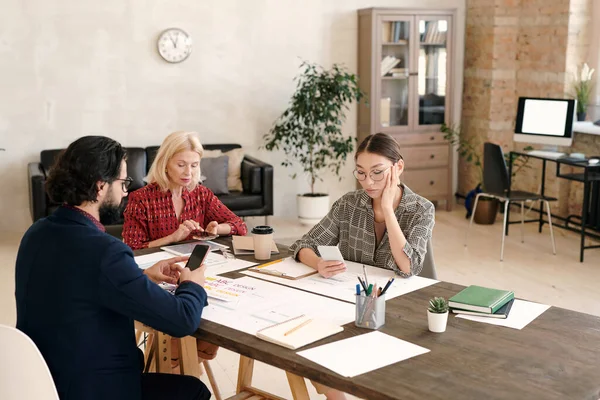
[[224, 288], [343, 286], [148, 260], [521, 314], [185, 249], [265, 304], [343, 357], [217, 264]]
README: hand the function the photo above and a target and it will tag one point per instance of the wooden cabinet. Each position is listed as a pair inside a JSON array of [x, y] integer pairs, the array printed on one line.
[[404, 66]]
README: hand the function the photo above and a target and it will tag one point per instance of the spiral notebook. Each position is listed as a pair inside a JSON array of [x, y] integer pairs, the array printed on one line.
[[298, 331]]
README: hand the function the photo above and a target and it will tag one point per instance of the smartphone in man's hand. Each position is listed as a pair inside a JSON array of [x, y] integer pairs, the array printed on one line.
[[198, 255]]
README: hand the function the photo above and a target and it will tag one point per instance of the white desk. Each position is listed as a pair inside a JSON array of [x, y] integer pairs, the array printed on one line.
[[586, 127]]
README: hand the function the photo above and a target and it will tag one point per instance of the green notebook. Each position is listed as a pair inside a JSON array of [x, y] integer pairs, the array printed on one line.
[[481, 299]]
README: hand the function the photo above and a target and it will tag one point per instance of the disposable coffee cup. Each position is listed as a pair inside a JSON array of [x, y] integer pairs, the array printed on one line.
[[263, 237]]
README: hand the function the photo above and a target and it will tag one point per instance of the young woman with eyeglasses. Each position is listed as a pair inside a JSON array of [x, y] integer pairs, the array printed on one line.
[[384, 224]]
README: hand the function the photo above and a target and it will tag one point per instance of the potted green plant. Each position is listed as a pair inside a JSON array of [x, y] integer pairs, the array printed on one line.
[[437, 314], [583, 88], [309, 131], [470, 148]]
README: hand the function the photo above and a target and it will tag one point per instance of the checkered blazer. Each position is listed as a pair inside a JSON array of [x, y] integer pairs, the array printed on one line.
[[350, 225]]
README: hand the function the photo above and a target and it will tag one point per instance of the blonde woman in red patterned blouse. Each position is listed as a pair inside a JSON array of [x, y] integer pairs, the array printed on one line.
[[173, 206]]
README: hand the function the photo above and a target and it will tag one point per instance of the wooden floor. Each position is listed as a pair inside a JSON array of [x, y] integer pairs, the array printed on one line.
[[528, 268]]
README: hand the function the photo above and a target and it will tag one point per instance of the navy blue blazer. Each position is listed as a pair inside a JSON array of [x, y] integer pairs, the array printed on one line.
[[78, 291]]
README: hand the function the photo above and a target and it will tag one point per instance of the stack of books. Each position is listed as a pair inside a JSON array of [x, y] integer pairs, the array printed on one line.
[[388, 63], [481, 301]]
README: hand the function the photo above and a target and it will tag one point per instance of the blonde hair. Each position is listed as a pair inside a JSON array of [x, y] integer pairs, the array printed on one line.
[[175, 143]]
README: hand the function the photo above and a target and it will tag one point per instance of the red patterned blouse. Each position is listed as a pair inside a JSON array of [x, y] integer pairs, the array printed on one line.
[[150, 214]]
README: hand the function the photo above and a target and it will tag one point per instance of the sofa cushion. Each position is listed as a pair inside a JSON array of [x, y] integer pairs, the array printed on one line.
[[214, 173], [234, 179]]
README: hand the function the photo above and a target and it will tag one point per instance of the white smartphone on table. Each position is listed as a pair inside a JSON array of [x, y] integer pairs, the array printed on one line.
[[330, 253]]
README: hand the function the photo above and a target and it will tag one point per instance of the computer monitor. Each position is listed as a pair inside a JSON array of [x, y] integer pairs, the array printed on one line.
[[545, 121]]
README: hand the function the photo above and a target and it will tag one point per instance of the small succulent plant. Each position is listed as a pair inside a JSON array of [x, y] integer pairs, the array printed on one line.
[[438, 305]]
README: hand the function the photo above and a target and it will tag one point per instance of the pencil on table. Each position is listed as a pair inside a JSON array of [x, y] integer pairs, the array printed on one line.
[[294, 329]]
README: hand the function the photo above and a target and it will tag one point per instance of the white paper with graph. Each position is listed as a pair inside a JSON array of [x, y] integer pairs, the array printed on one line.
[[343, 286], [264, 304]]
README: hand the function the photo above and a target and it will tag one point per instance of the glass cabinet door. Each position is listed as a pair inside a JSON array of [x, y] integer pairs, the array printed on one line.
[[432, 70], [394, 87]]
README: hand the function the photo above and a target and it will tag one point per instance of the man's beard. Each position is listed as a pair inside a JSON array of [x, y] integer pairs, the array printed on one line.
[[110, 213]]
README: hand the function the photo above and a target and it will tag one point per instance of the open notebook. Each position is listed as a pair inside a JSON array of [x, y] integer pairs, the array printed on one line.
[[299, 331]]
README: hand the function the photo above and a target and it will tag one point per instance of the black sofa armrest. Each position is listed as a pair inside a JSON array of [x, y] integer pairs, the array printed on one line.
[[255, 168], [251, 177], [37, 190]]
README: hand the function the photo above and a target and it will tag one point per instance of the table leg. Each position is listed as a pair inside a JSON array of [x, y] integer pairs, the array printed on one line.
[[298, 386], [245, 372], [584, 212], [541, 220], [188, 356]]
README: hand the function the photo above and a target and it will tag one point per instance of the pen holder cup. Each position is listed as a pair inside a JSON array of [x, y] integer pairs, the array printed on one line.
[[370, 312]]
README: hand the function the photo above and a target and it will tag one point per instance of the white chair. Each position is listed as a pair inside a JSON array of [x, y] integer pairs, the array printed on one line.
[[428, 270], [25, 374]]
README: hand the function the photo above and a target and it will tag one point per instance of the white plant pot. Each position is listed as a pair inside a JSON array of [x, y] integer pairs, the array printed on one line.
[[312, 209], [437, 322]]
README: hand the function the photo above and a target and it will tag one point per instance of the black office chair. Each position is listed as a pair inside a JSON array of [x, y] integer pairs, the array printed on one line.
[[496, 183]]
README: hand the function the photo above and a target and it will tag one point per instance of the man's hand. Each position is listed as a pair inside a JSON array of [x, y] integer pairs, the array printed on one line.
[[196, 275], [327, 269], [166, 270]]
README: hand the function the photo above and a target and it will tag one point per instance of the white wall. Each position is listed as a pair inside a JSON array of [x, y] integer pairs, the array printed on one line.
[[75, 67]]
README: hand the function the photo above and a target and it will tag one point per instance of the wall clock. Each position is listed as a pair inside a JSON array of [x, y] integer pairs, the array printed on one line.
[[174, 45]]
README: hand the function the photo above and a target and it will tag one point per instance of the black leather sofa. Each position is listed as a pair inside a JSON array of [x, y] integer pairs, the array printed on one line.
[[255, 200]]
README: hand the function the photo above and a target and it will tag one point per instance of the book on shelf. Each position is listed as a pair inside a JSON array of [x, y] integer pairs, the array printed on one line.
[[481, 299], [388, 63], [386, 34], [394, 32], [298, 331], [399, 72], [502, 312], [384, 111], [397, 27]]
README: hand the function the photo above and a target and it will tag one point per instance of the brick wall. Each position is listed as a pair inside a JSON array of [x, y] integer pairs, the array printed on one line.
[[521, 48]]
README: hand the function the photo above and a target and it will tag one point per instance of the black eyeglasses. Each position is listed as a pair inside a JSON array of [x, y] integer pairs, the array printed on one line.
[[376, 176], [126, 183]]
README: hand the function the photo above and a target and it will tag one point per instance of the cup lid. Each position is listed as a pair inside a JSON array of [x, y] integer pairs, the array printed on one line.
[[262, 230]]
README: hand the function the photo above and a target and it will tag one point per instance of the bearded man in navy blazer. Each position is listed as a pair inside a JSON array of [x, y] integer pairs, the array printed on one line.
[[78, 289]]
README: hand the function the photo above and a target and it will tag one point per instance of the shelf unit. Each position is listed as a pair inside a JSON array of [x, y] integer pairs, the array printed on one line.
[[418, 43]]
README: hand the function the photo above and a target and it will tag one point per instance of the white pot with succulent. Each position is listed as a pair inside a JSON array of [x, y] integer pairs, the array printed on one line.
[[437, 314], [310, 131]]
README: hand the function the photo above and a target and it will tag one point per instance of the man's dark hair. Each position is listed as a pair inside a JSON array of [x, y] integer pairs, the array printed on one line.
[[73, 177]]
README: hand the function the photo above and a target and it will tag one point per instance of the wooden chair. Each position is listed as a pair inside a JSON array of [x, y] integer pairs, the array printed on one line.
[[157, 355]]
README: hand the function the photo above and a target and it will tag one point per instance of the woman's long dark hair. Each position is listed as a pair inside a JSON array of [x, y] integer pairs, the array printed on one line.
[[381, 144]]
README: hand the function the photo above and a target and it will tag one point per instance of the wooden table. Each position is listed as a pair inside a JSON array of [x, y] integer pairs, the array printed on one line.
[[557, 356]]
